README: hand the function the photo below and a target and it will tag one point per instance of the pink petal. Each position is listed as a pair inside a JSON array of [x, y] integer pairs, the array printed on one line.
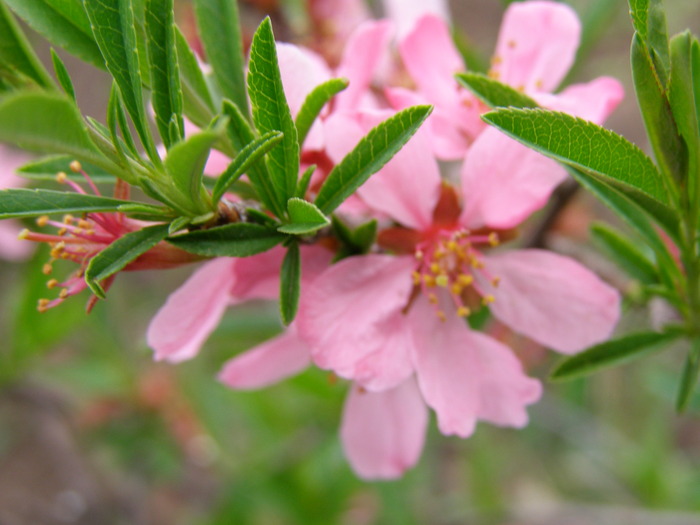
[[191, 313], [339, 17], [383, 433], [343, 132], [11, 248], [364, 51], [552, 299], [281, 357], [537, 45], [503, 182], [466, 376], [593, 101], [341, 313], [406, 13]]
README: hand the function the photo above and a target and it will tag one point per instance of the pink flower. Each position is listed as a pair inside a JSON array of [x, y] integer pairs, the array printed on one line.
[[10, 247], [536, 47], [382, 320]]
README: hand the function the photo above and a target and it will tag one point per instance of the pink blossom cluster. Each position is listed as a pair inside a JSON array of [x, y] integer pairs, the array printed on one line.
[[394, 322]]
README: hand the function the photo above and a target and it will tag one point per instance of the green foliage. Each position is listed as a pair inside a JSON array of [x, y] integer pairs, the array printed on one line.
[[16, 203], [240, 239], [689, 377], [46, 168], [371, 153], [290, 283], [494, 93], [304, 218], [271, 112], [356, 241], [612, 352], [221, 35], [62, 75], [120, 253], [197, 102], [314, 102], [625, 253]]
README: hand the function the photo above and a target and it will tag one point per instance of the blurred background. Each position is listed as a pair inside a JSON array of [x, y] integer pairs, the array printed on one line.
[[92, 431]]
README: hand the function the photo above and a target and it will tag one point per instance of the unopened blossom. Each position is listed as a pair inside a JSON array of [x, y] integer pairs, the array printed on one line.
[[79, 238], [11, 248]]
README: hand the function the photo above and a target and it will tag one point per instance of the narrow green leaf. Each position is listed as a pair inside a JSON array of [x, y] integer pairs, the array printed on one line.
[[120, 253], [669, 150], [248, 156], [695, 58], [290, 283], [185, 165], [649, 21], [47, 168], [220, 31], [305, 218], [165, 72], [46, 122], [304, 181], [371, 153], [114, 28], [611, 353], [15, 203], [314, 102], [625, 253], [146, 212], [63, 23], [197, 102], [240, 134], [354, 242], [17, 53], [240, 239], [585, 146], [494, 93], [689, 379], [178, 224], [271, 112], [62, 75]]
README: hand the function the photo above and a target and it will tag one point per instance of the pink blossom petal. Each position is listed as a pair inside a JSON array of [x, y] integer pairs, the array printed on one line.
[[363, 53], [281, 357], [191, 313], [343, 132], [503, 182], [466, 376], [11, 248], [342, 311], [552, 299], [383, 433], [406, 13], [536, 45], [593, 101], [339, 17], [302, 70]]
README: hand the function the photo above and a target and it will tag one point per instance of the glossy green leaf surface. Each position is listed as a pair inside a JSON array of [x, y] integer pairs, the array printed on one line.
[[15, 203], [239, 239], [305, 218], [314, 102], [290, 283], [494, 93], [625, 253]]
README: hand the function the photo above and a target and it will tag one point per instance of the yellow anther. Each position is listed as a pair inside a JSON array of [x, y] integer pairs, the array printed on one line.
[[488, 299], [452, 246], [441, 315], [456, 289], [428, 280], [42, 221], [57, 250], [493, 239], [61, 177], [416, 278], [75, 167], [463, 311], [476, 263], [51, 283], [512, 43], [47, 269], [63, 294], [495, 281], [62, 231], [432, 298], [68, 219], [539, 84], [465, 279], [496, 60], [494, 74], [23, 235], [438, 254], [42, 306], [78, 231], [435, 268], [419, 255], [82, 223], [442, 280]]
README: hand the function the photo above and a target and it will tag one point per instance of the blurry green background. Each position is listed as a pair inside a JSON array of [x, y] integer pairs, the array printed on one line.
[[92, 431]]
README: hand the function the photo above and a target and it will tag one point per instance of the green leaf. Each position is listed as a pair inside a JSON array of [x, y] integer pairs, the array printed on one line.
[[649, 21], [305, 218], [239, 239], [198, 104], [46, 122], [354, 242], [47, 168], [63, 23], [240, 134], [494, 93], [611, 353], [220, 32], [304, 181], [165, 73], [290, 283], [625, 253], [185, 165], [689, 379], [371, 153], [314, 102], [16, 203], [585, 146], [271, 112], [113, 26], [17, 53], [660, 125], [62, 75], [248, 156], [120, 253]]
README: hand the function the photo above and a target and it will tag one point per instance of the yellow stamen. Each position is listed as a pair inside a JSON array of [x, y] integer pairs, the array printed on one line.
[[465, 279], [76, 167], [441, 315], [493, 239], [442, 280], [51, 283], [456, 289], [23, 235], [61, 177], [463, 311], [42, 306], [47, 269], [42, 221], [428, 280], [495, 282], [63, 294], [435, 268], [488, 299], [416, 278], [432, 298]]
